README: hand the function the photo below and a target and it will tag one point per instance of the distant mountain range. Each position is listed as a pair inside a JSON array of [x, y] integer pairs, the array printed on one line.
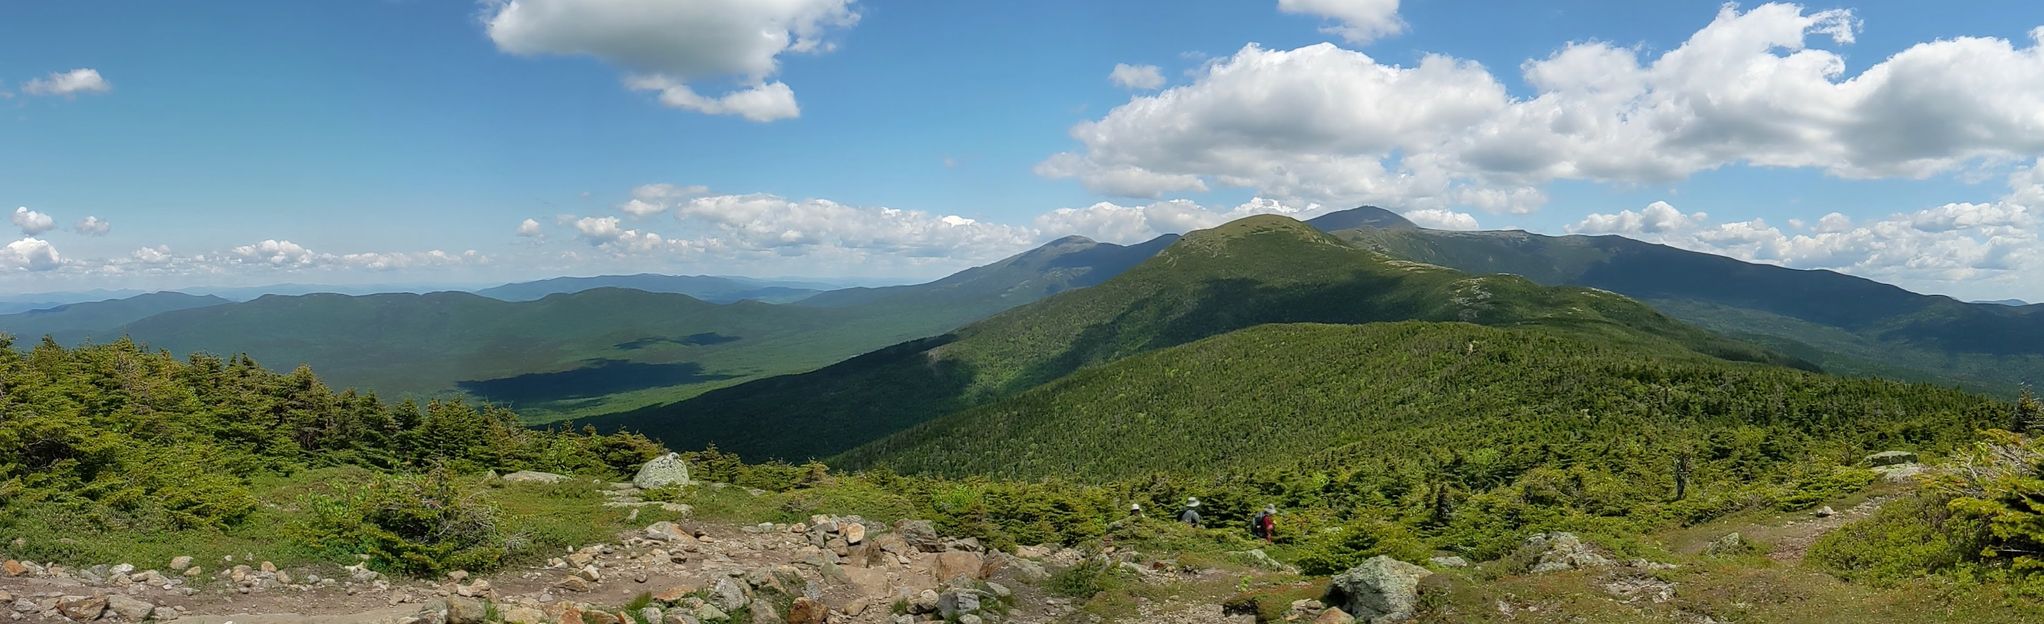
[[704, 287], [1250, 272], [583, 351]]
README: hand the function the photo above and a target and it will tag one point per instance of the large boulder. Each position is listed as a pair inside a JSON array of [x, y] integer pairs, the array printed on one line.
[[534, 476], [920, 534], [663, 471], [1380, 591], [1891, 458], [1558, 551]]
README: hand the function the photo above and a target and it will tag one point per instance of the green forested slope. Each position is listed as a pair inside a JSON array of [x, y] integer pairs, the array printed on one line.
[[70, 323], [1843, 323], [1392, 396], [1266, 269]]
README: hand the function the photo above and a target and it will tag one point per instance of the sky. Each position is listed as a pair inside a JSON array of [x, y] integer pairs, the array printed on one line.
[[165, 145]]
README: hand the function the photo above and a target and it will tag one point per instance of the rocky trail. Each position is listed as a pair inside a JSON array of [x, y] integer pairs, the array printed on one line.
[[828, 569]]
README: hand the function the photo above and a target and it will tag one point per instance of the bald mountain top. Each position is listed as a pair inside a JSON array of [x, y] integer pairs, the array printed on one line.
[[1265, 269]]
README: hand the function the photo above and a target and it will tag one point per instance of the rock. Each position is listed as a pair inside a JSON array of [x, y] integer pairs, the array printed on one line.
[[728, 595], [668, 532], [674, 593], [465, 611], [11, 567], [1900, 473], [854, 533], [1258, 558], [178, 564], [267, 567], [1824, 512], [1731, 544], [599, 617], [763, 613], [648, 614], [999, 590], [457, 576], [1382, 590], [524, 615], [1891, 458], [1449, 561], [129, 609], [1631, 589], [574, 584], [1560, 551], [164, 614], [920, 534], [710, 613], [970, 619], [81, 608], [955, 563], [925, 602], [663, 471], [956, 602], [1334, 616], [590, 573], [534, 476], [678, 615]]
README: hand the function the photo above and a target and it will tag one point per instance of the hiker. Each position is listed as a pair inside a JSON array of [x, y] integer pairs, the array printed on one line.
[[1264, 525], [1191, 514], [1135, 509]]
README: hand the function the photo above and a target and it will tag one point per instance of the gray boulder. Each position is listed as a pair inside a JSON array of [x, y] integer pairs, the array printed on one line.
[[1558, 551], [1380, 591], [663, 471], [1891, 458], [534, 476]]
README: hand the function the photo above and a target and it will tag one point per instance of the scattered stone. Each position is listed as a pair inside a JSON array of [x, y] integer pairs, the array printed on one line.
[[1258, 558], [710, 613], [534, 476], [663, 471], [920, 534], [1560, 551], [1382, 590], [11, 567], [465, 611], [524, 615], [1891, 458], [956, 602], [1633, 588], [1824, 512], [955, 563], [668, 532], [1449, 561], [81, 608], [679, 616], [854, 533], [129, 609], [1334, 616], [728, 595], [648, 614], [574, 584], [1731, 544], [1900, 473], [179, 564], [164, 614]]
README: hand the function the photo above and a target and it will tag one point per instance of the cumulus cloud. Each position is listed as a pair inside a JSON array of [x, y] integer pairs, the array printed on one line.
[[159, 254], [1322, 123], [1440, 219], [276, 253], [789, 226], [93, 226], [1361, 21], [667, 46], [528, 228], [70, 83], [651, 199], [1942, 247], [1138, 77], [32, 222], [30, 254], [1116, 223]]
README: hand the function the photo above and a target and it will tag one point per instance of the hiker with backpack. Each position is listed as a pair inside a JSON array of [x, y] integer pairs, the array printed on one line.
[[1191, 514], [1264, 525]]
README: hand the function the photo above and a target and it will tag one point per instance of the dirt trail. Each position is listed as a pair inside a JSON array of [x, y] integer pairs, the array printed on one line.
[[1794, 539]]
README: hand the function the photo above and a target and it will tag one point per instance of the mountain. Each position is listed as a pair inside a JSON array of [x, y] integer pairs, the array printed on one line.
[[1845, 324], [704, 287], [70, 322], [1264, 269], [1304, 397], [2006, 302], [1360, 217], [604, 350]]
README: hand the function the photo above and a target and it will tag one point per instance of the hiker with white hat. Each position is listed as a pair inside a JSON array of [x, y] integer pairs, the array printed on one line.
[[1191, 514]]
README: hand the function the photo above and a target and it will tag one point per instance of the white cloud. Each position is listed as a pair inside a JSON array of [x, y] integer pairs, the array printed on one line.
[[1116, 223], [1321, 123], [275, 253], [785, 226], [651, 199], [1657, 218], [391, 261], [159, 254], [528, 228], [1440, 219], [31, 254], [70, 83], [93, 226], [32, 222], [1138, 77], [1955, 246], [665, 46], [1362, 21]]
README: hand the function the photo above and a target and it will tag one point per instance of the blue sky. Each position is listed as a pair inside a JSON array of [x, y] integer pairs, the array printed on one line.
[[229, 143]]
